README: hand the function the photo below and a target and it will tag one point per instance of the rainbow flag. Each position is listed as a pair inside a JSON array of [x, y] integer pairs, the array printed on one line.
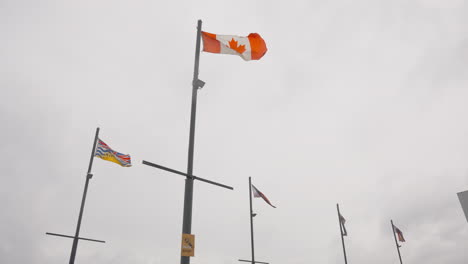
[[104, 152]]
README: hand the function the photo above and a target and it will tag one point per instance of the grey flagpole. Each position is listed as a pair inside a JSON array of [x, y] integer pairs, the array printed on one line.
[[396, 242], [341, 233], [188, 195], [251, 222], [83, 200]]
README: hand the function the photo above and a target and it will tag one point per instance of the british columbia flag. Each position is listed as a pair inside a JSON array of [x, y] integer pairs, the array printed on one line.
[[104, 152]]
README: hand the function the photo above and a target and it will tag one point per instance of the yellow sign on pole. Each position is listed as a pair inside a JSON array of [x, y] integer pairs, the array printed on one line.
[[188, 245]]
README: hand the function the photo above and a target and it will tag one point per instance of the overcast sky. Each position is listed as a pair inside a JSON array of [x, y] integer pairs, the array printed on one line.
[[357, 102]]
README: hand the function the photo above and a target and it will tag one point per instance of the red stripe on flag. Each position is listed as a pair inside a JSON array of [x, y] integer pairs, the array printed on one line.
[[210, 44], [257, 46]]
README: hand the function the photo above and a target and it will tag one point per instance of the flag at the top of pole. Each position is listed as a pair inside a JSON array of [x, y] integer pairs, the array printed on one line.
[[463, 197], [259, 194], [399, 234], [104, 152], [252, 47], [342, 222]]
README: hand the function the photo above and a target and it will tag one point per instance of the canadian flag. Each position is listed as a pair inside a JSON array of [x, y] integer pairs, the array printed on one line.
[[252, 47]]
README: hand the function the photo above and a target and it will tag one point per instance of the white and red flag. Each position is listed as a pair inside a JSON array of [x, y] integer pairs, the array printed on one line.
[[399, 234], [252, 47], [258, 194]]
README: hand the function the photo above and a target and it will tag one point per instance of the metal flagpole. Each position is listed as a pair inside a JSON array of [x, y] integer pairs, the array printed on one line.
[[396, 242], [83, 200], [188, 197], [251, 222], [341, 233]]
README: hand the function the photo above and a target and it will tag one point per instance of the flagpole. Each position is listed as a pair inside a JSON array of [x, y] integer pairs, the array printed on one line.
[[83, 200], [396, 242], [251, 222], [341, 233], [188, 196]]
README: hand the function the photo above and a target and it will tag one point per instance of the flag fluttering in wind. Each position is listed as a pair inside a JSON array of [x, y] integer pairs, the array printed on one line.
[[252, 47], [463, 197], [342, 222], [104, 152], [399, 234], [258, 194]]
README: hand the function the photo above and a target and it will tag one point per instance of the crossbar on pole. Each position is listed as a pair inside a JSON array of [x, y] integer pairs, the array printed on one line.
[[82, 238], [186, 175], [243, 260]]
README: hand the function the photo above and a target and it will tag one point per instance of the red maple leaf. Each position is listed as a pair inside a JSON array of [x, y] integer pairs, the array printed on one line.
[[234, 45]]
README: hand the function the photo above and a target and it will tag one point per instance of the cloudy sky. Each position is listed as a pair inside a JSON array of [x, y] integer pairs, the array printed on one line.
[[357, 102]]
